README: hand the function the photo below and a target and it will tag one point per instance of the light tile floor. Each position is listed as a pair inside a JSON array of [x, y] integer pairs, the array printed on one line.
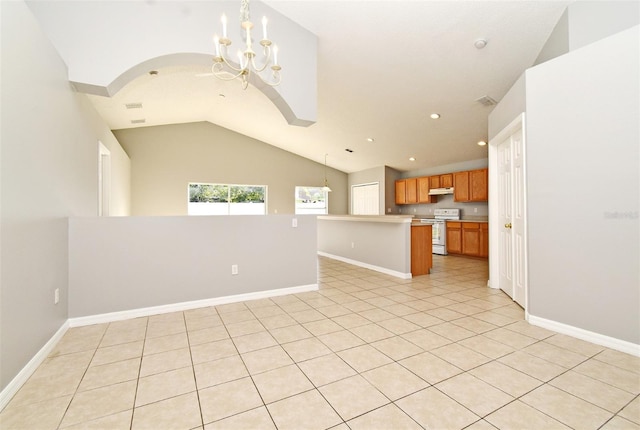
[[367, 351]]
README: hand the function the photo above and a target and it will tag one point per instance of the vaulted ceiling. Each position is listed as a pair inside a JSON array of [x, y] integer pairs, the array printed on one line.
[[383, 68]]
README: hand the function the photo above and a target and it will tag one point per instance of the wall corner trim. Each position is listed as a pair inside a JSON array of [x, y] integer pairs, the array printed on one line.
[[589, 336], [367, 266], [16, 383]]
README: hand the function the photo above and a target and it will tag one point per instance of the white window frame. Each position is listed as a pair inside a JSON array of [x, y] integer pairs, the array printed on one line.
[[310, 208], [228, 207]]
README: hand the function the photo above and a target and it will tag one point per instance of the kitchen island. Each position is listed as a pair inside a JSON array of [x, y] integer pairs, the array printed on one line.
[[378, 242]]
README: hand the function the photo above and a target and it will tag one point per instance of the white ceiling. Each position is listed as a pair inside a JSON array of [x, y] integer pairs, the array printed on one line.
[[383, 68]]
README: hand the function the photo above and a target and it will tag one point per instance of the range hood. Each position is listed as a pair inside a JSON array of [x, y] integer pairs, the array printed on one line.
[[440, 191]]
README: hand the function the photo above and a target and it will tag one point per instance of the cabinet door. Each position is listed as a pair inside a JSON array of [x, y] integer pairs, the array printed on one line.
[[401, 192], [471, 239], [461, 187], [421, 250], [484, 239], [478, 185], [434, 181], [411, 190], [446, 181], [423, 190], [454, 237]]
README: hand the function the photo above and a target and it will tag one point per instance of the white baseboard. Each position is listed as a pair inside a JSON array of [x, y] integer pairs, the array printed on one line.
[[184, 306], [367, 266], [16, 383], [12, 388], [589, 336]]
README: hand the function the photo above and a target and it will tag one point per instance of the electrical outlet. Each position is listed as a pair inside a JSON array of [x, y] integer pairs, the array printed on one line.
[[234, 269], [275, 211], [294, 222], [475, 210], [353, 245], [56, 296], [389, 210]]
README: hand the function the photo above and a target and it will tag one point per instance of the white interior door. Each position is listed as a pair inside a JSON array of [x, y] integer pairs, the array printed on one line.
[[365, 199], [508, 212], [518, 219], [505, 256]]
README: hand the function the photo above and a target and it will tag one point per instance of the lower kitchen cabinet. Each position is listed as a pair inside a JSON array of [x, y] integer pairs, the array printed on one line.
[[454, 237], [471, 239], [468, 238], [484, 239], [421, 250]]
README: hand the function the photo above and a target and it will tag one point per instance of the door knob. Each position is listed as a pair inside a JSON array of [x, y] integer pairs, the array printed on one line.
[[508, 225]]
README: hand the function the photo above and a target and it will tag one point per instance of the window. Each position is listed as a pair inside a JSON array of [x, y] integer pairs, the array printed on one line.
[[224, 199], [311, 200]]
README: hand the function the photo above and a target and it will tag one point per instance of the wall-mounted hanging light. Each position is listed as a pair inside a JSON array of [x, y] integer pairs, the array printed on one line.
[[326, 184], [246, 60]]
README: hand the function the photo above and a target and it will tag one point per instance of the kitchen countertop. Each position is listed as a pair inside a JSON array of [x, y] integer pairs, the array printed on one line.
[[416, 219]]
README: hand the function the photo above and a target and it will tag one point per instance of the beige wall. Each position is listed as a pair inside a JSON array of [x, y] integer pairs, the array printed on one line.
[[165, 159]]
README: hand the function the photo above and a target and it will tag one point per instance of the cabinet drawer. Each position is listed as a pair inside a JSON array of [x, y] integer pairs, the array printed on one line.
[[470, 226], [451, 224]]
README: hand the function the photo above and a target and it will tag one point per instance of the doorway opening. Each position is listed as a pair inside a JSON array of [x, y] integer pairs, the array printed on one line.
[[104, 179]]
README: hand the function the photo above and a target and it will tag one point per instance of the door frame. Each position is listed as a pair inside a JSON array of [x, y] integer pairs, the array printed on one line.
[[494, 222]]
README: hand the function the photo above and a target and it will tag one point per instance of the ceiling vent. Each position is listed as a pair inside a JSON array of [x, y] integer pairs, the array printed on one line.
[[138, 121], [487, 101], [133, 105]]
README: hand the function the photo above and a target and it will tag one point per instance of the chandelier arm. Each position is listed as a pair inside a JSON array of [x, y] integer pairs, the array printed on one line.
[[267, 54], [218, 73], [223, 56]]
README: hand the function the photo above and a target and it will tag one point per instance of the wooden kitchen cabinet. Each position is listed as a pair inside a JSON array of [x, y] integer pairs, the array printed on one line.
[[454, 237], [484, 239], [406, 191], [468, 238], [434, 181], [471, 239], [423, 191], [461, 187], [401, 192], [446, 180], [479, 185], [421, 250], [411, 190], [471, 186]]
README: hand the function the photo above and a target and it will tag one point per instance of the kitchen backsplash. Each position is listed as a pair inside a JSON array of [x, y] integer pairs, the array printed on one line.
[[470, 211]]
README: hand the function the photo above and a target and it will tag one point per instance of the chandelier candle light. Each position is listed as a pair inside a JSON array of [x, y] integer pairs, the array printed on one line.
[[246, 59]]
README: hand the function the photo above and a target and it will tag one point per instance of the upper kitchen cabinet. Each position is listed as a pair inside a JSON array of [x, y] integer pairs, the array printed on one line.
[[412, 190], [461, 186], [441, 181], [401, 192], [407, 191], [446, 181], [471, 186], [479, 185], [423, 191]]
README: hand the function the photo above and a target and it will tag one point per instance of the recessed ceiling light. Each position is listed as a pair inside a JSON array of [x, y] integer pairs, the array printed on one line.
[[435, 115], [480, 43], [370, 139], [412, 158], [482, 143]]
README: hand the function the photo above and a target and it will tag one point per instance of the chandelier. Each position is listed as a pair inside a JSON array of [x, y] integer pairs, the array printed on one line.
[[245, 62]]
